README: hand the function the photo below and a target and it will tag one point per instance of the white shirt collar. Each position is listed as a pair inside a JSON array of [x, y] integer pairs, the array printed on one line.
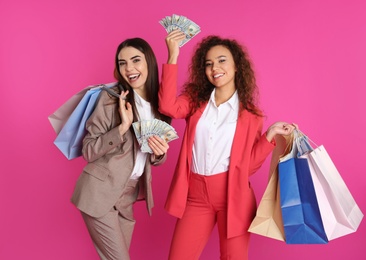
[[232, 102]]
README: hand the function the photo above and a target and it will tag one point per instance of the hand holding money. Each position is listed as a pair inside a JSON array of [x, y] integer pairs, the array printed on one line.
[[158, 146], [172, 41], [147, 128], [182, 23]]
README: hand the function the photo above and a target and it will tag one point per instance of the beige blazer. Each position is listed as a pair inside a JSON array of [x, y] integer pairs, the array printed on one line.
[[110, 160]]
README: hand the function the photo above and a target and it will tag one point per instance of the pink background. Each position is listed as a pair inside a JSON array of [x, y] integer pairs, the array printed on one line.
[[310, 59]]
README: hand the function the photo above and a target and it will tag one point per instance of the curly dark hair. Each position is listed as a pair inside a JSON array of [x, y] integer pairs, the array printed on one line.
[[199, 88]]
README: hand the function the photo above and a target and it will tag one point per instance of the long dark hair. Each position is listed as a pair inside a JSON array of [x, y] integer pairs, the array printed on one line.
[[152, 81], [199, 88]]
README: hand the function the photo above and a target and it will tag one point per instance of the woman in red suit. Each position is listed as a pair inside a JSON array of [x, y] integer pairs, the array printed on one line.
[[222, 146]]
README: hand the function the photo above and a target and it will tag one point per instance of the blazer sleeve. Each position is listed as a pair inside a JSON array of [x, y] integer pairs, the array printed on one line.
[[261, 149], [169, 103], [157, 161], [102, 133]]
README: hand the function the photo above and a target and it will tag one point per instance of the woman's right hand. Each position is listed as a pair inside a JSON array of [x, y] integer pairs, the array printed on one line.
[[125, 111], [172, 41]]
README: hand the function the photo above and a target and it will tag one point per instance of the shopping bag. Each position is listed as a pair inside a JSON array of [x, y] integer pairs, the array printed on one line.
[[339, 211], [299, 206], [300, 211], [70, 126], [61, 115], [268, 219]]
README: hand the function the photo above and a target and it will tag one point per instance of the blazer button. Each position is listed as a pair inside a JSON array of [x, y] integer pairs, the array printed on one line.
[[110, 143]]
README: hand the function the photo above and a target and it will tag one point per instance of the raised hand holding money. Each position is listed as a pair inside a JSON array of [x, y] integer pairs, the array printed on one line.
[[182, 23], [172, 41]]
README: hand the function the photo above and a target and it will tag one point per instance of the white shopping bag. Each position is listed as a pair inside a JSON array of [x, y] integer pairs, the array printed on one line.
[[340, 212]]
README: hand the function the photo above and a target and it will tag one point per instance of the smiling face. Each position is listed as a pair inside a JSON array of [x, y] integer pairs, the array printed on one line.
[[133, 68], [220, 67]]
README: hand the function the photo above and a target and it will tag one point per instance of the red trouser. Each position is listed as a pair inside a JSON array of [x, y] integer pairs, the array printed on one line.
[[206, 206]]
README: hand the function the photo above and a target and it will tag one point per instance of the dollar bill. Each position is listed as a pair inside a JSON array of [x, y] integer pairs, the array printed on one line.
[[137, 129], [182, 23], [145, 128]]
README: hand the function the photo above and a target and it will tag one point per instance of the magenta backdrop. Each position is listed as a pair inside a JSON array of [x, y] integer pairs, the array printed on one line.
[[310, 59]]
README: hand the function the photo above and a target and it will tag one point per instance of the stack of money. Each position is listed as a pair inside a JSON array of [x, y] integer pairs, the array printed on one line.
[[182, 23], [146, 128]]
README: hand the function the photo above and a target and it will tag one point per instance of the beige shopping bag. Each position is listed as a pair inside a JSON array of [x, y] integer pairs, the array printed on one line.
[[59, 118], [268, 219]]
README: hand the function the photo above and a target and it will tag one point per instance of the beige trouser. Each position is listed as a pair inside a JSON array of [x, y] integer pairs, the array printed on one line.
[[112, 233]]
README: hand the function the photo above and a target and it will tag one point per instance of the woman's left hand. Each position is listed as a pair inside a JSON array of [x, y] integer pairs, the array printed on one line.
[[281, 128], [158, 145], [125, 111]]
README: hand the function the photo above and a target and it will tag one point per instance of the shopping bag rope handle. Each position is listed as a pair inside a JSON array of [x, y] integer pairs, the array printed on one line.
[[301, 133], [104, 87]]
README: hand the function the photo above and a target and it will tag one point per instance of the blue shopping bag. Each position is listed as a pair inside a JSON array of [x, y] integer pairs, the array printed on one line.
[[71, 129], [300, 211]]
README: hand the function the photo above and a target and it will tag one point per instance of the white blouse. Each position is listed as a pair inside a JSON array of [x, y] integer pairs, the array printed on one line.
[[144, 110], [214, 136]]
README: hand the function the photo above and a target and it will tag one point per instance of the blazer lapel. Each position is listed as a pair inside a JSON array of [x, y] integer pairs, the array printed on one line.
[[136, 147], [240, 138]]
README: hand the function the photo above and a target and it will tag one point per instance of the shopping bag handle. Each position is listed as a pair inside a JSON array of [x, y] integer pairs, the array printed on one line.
[[104, 87], [304, 135], [300, 145], [303, 142]]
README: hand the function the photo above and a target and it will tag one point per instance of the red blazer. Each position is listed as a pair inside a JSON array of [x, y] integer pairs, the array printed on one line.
[[250, 149]]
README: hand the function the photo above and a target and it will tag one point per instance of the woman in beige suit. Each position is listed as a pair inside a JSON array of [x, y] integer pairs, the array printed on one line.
[[118, 173]]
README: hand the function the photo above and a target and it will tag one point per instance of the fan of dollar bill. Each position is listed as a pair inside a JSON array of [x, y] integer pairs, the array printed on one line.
[[146, 128], [182, 23]]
